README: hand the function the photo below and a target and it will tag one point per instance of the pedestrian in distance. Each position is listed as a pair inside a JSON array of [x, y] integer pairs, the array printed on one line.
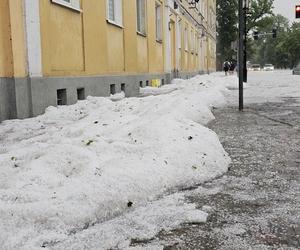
[[232, 68], [226, 67]]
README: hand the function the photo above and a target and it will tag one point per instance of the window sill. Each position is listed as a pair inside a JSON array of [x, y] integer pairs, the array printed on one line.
[[141, 34], [66, 5], [114, 24]]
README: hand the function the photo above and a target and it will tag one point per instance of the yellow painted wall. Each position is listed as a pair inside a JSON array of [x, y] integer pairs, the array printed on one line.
[[84, 43], [62, 40], [203, 57], [75, 43], [95, 33], [131, 45], [155, 48], [115, 49], [12, 39], [6, 63], [142, 55]]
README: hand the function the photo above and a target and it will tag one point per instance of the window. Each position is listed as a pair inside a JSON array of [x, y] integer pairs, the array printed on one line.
[[141, 16], [80, 94], [72, 4], [123, 87], [115, 12], [158, 17], [112, 89], [61, 95]]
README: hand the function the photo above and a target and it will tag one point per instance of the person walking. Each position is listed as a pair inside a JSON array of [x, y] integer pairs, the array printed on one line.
[[226, 67], [232, 68]]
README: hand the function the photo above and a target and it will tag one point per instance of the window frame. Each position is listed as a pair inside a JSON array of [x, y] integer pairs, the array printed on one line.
[[141, 18], [118, 13], [71, 4]]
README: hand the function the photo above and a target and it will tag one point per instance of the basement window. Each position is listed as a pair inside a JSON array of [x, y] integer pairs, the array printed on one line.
[[61, 97], [112, 89], [72, 4], [123, 86], [147, 83], [80, 94], [141, 84]]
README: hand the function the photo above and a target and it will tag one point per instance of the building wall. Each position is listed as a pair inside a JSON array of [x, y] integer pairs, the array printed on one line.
[[12, 56], [45, 47], [6, 63], [93, 46]]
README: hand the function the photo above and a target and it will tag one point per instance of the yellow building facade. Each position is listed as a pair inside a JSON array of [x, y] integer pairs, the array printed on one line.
[[55, 52]]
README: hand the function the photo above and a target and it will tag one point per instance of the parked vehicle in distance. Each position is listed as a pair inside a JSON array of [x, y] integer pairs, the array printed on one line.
[[255, 67], [296, 70], [268, 67]]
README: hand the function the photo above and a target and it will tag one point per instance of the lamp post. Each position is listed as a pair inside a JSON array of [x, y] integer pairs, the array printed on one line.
[[241, 53], [245, 11]]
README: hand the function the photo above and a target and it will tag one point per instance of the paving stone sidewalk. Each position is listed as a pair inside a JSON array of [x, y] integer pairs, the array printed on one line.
[[256, 205]]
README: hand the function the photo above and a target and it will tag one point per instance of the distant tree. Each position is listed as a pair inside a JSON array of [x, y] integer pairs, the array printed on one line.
[[284, 51], [259, 10], [226, 29], [227, 20], [291, 44]]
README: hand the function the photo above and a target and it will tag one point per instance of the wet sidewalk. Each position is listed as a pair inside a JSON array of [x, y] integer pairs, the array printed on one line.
[[256, 205]]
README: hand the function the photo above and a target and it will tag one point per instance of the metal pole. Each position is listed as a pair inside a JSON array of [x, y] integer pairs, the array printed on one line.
[[241, 54], [245, 44]]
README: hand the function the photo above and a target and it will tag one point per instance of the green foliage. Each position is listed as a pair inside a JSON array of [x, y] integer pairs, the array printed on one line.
[[258, 13], [284, 51], [291, 44], [227, 19], [227, 28]]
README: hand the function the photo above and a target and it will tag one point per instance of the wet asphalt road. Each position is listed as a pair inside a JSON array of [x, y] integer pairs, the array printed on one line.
[[256, 205]]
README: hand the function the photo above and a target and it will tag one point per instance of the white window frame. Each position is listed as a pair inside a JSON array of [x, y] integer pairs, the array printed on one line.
[[141, 6], [118, 13], [71, 4], [158, 22]]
